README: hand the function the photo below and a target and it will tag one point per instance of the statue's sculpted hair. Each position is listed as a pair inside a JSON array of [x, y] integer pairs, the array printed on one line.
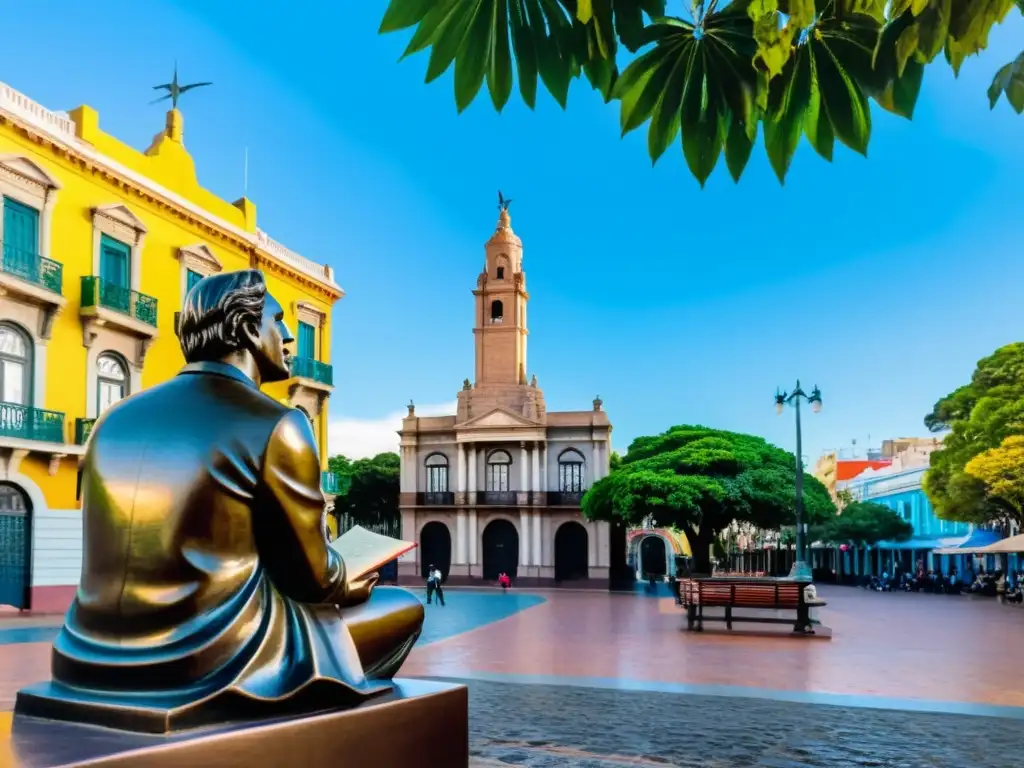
[[215, 311]]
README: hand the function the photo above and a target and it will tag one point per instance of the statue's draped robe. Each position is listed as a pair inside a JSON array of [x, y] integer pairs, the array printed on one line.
[[205, 567]]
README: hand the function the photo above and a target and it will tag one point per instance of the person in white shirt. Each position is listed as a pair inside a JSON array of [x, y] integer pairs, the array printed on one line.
[[434, 587]]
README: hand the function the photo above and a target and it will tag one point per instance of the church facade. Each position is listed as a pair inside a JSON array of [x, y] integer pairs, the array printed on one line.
[[496, 487]]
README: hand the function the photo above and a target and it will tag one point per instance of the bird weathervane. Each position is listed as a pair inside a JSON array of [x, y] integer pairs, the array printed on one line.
[[503, 204], [174, 91]]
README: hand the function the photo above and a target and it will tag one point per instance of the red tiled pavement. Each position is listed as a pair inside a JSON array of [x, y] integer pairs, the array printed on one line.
[[898, 645], [892, 645]]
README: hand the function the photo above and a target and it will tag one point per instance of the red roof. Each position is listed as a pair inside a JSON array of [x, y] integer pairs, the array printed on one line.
[[847, 469]]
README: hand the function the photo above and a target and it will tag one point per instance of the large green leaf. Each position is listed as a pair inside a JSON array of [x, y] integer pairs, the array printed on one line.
[[1010, 81], [698, 79]]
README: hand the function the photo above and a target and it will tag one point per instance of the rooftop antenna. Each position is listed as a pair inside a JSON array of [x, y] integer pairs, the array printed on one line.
[[854, 449]]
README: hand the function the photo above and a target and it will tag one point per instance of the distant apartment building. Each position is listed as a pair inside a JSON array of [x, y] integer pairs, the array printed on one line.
[[831, 470]]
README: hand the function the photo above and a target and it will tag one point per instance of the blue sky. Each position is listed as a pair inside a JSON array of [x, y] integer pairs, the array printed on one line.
[[881, 280]]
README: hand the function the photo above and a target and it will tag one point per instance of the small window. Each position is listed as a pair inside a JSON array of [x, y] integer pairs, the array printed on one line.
[[15, 366], [500, 273], [307, 341], [497, 311], [437, 473], [191, 278], [115, 261], [112, 382]]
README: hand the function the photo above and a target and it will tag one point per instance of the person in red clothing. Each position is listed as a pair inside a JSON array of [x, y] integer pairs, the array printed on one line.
[[504, 581]]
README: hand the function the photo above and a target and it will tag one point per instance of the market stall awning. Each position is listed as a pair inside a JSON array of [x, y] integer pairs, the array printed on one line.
[[976, 541], [1005, 546], [926, 544]]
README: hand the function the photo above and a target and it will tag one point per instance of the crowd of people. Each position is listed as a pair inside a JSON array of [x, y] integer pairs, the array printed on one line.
[[1008, 587]]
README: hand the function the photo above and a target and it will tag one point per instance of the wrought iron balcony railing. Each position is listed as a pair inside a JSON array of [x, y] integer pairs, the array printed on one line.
[[497, 498], [83, 428], [308, 368], [27, 423], [33, 268], [565, 498], [436, 498], [100, 293]]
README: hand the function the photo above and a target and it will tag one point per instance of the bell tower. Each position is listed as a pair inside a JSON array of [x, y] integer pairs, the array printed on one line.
[[499, 332], [499, 326]]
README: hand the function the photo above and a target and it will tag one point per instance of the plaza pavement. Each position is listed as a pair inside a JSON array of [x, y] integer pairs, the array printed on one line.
[[586, 679]]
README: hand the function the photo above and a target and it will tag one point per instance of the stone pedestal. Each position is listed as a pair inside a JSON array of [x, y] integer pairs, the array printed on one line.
[[420, 724]]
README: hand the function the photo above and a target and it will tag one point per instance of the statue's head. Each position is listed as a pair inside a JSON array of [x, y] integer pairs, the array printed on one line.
[[229, 317]]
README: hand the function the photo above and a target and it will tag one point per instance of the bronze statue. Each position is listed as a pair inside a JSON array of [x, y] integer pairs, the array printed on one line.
[[174, 90], [208, 586]]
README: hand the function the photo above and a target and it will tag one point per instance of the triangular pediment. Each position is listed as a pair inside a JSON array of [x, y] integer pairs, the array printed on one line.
[[120, 213], [27, 169], [498, 418], [201, 253]]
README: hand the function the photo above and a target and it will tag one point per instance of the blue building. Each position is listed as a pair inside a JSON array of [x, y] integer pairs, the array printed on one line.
[[900, 490]]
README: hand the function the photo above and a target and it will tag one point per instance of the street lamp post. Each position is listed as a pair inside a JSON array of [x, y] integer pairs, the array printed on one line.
[[801, 570]]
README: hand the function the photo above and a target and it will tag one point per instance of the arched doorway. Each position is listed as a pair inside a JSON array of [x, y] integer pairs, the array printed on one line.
[[653, 556], [435, 548], [501, 549], [15, 546], [571, 553]]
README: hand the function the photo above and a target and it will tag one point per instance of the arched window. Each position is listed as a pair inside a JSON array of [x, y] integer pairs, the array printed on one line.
[[112, 381], [498, 465], [437, 473], [570, 471], [497, 311], [15, 365]]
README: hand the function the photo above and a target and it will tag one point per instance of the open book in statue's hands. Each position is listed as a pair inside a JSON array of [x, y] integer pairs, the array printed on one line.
[[365, 551]]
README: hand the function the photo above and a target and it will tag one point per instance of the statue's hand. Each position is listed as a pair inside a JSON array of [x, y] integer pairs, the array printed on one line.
[[360, 589]]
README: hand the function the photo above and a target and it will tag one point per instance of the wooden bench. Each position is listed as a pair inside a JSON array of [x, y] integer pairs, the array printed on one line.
[[695, 594]]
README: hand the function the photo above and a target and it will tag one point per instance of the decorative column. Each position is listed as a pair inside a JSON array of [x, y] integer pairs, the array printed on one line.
[[523, 496], [460, 537], [536, 548], [544, 468], [524, 538], [472, 489], [473, 538], [535, 488], [596, 472], [460, 480], [592, 544]]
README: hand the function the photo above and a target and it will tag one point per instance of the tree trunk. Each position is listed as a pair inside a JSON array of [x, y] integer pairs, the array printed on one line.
[[700, 545]]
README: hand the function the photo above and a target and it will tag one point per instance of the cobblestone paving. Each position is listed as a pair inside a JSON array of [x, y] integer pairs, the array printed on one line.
[[539, 726]]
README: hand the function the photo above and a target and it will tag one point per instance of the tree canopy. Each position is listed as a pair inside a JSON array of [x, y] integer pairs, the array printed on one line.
[[371, 498], [863, 524], [980, 416], [794, 67], [1002, 471], [699, 480]]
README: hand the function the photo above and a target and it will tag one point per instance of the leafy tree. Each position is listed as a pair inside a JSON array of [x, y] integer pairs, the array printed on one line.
[[864, 524], [1002, 471], [980, 416], [371, 499], [795, 67], [699, 480], [843, 498]]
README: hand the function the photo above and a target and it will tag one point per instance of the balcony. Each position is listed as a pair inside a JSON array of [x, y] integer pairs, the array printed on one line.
[[313, 370], [98, 293], [83, 428], [565, 498], [113, 306], [23, 422], [497, 498], [33, 268], [435, 498], [32, 279]]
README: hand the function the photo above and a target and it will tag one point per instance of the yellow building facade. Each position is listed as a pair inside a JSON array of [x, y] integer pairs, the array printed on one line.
[[100, 242]]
